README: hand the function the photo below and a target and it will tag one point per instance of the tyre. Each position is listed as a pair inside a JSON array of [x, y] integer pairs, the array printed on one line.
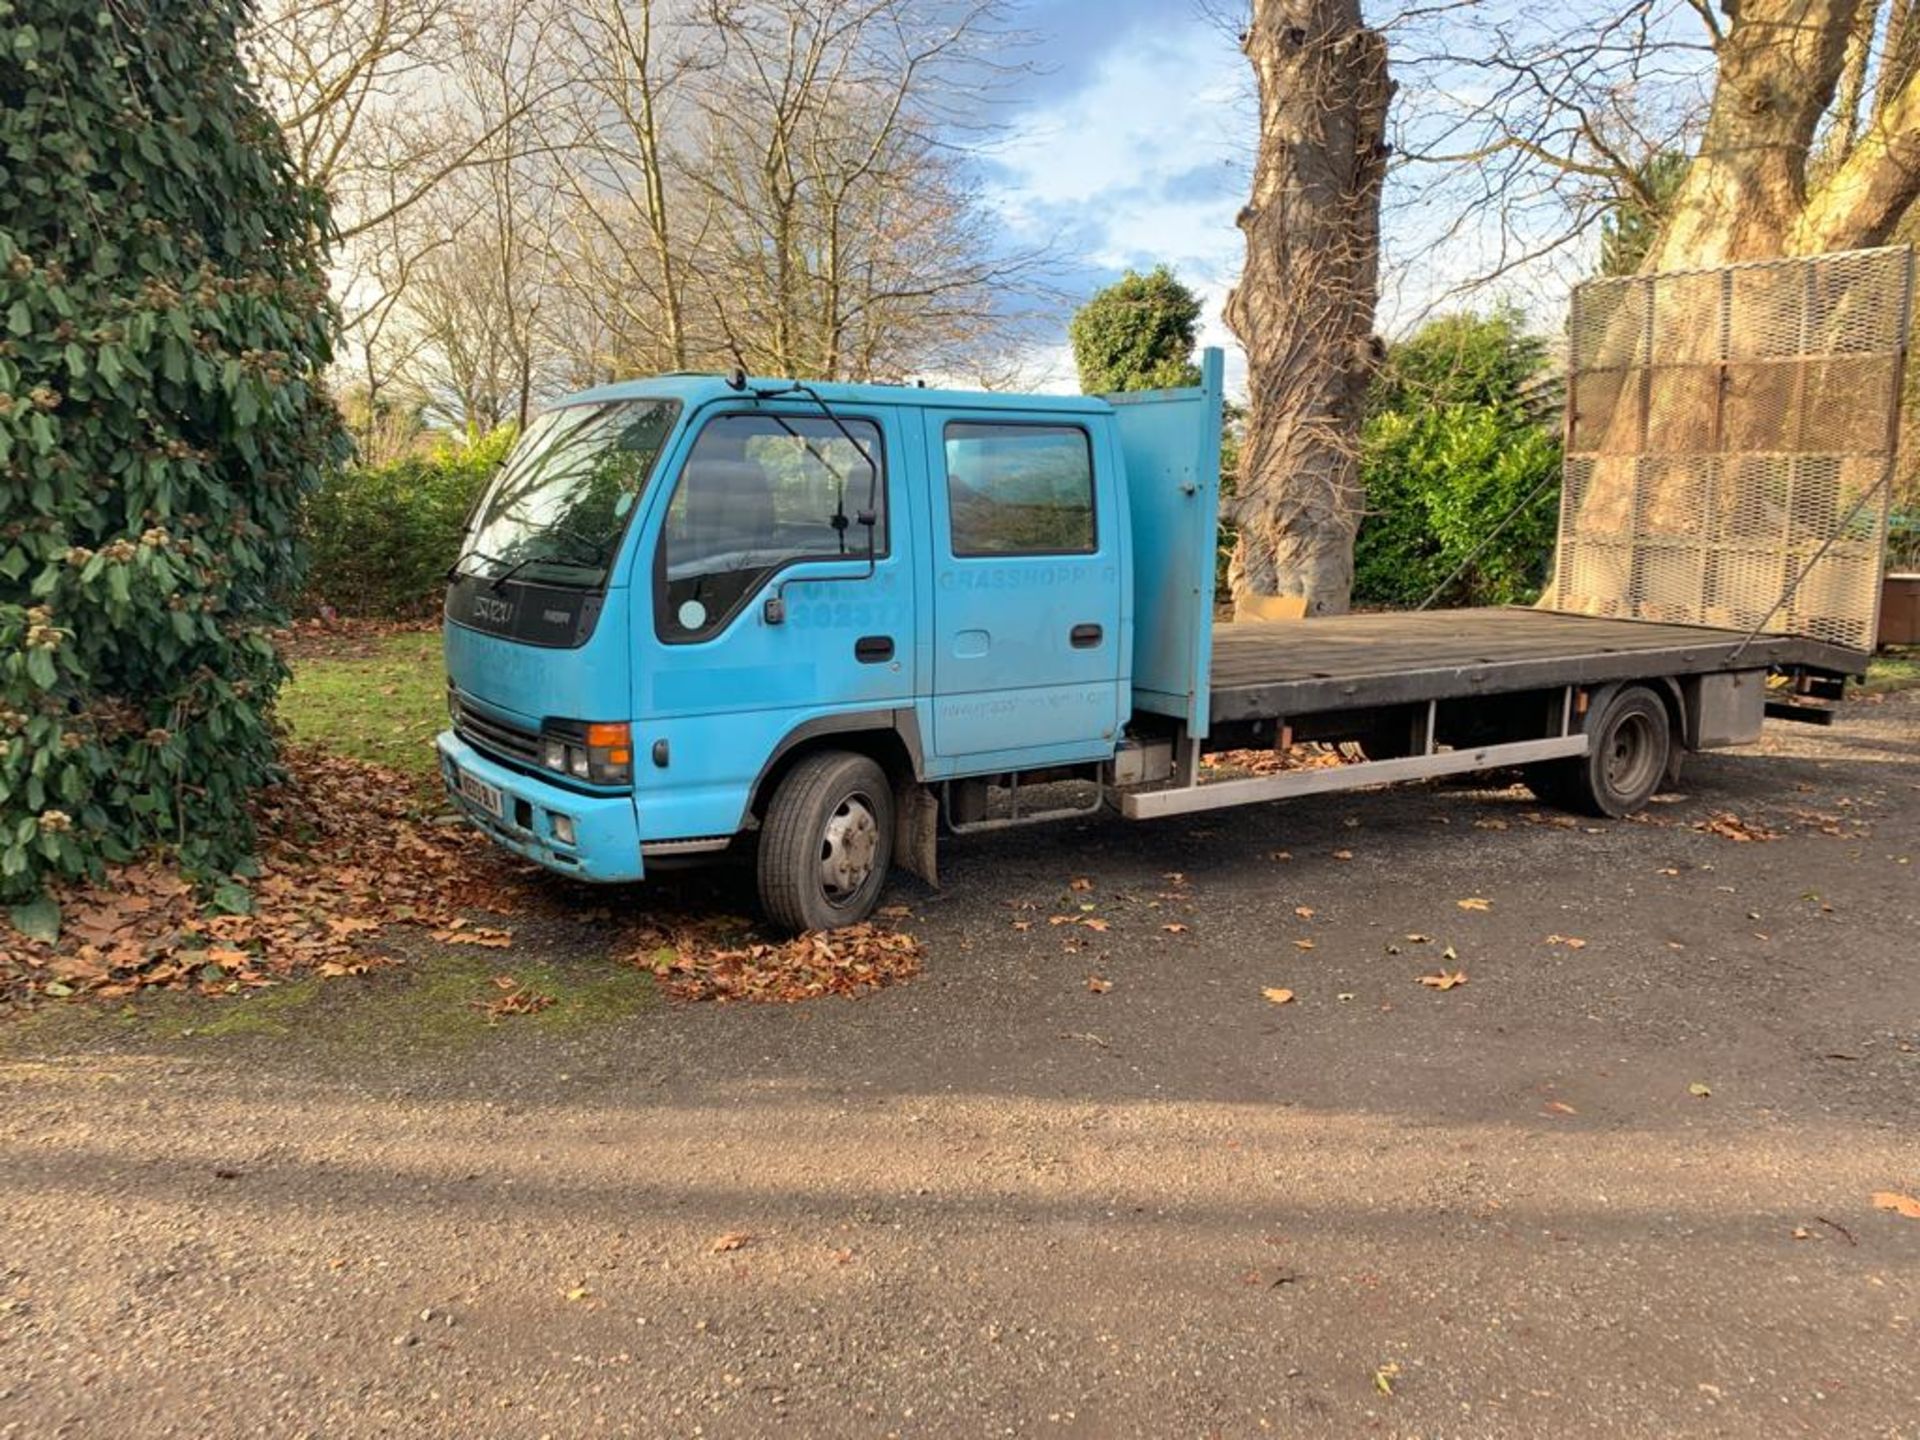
[[826, 843], [1630, 750]]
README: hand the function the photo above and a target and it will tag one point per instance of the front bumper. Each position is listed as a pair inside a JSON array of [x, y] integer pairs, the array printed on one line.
[[606, 828]]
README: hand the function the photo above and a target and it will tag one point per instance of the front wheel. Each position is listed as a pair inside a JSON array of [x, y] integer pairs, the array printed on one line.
[[827, 843]]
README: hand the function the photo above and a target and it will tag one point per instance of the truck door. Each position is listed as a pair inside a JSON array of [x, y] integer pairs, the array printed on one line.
[[770, 501], [1032, 634]]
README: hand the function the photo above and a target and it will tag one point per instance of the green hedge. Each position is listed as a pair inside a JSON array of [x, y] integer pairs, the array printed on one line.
[[1438, 483], [1458, 434], [382, 537]]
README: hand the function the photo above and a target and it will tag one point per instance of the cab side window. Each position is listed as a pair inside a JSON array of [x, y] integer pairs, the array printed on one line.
[[1015, 489], [758, 493]]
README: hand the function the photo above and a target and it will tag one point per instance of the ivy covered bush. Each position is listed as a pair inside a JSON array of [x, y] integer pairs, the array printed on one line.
[[163, 325], [382, 536], [1461, 430]]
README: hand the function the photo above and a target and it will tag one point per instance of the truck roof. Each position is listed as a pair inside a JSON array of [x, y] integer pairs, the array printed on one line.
[[699, 389]]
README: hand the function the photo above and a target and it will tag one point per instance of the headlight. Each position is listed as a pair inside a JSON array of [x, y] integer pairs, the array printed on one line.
[[601, 754]]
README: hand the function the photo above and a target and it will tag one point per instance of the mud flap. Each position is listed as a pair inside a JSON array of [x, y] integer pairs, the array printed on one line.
[[916, 832]]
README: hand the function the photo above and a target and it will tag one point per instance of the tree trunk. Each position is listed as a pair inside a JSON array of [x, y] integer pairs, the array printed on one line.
[[1777, 68], [1304, 306]]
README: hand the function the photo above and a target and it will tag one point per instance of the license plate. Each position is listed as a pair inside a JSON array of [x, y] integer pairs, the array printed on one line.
[[486, 796]]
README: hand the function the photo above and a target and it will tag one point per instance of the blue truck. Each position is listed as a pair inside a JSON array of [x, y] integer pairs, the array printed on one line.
[[822, 624]]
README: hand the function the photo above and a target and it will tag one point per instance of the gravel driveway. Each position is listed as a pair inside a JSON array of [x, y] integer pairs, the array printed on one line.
[[1005, 1200]]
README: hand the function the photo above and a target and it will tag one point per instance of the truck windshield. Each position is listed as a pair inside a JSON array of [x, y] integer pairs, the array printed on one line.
[[556, 511]]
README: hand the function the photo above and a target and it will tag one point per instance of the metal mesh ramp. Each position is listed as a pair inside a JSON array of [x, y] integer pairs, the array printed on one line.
[[1729, 433]]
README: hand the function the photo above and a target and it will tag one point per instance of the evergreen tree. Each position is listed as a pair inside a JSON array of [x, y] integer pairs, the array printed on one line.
[[163, 327], [1137, 334]]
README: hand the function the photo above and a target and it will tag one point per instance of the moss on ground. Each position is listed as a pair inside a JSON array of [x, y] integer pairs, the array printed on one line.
[[1893, 670], [435, 1000]]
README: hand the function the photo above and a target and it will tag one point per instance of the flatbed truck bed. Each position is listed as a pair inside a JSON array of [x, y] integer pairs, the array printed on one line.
[[1447, 692], [1266, 670]]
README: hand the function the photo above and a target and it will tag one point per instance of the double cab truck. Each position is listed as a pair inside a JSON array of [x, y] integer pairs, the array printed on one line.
[[819, 623]]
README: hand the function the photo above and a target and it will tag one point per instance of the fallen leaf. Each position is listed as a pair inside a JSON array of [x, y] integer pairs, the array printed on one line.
[[1896, 1202], [1344, 995], [1099, 925], [1474, 902], [1444, 980], [479, 935], [1175, 929], [1800, 1232], [1448, 954], [1560, 1107], [732, 1240], [1303, 945], [1384, 1376], [1570, 941], [1343, 854], [1305, 912], [579, 1292], [1080, 882], [1698, 1090], [1419, 939], [1731, 827], [1277, 995], [1097, 985], [894, 912]]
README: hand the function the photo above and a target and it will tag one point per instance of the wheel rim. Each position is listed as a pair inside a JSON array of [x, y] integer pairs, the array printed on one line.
[[848, 846], [1630, 755]]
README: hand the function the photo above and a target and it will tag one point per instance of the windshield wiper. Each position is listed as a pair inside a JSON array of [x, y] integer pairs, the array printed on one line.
[[453, 570]]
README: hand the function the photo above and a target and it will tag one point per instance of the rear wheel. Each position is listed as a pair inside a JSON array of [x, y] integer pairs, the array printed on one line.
[[1629, 753], [827, 843]]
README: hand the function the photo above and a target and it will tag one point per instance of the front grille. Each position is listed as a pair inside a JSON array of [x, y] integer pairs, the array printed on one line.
[[496, 737]]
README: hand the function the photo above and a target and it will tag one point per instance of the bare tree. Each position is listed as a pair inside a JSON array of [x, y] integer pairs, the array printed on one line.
[[542, 193], [1304, 306], [847, 240], [632, 61], [1799, 121]]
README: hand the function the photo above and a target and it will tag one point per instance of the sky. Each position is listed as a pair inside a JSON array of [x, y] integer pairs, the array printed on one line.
[[1131, 143], [1128, 146]]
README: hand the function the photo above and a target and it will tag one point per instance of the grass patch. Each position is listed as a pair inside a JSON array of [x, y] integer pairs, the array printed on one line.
[[1892, 670], [384, 705]]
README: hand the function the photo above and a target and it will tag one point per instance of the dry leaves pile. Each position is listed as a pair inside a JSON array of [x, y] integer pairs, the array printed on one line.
[[1276, 762], [345, 862], [342, 858], [839, 962], [331, 637]]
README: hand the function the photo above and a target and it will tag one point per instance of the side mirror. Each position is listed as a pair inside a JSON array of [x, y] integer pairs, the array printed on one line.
[[774, 612]]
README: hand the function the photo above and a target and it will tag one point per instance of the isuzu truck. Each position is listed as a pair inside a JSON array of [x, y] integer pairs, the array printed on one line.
[[699, 614]]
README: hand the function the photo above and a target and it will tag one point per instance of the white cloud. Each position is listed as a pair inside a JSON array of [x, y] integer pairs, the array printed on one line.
[[1144, 163]]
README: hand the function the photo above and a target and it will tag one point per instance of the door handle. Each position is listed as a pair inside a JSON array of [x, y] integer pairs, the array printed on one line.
[[1085, 637], [873, 649]]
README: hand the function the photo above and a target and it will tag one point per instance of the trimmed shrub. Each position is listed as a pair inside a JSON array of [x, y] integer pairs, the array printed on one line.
[[163, 328], [382, 537], [1455, 439]]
